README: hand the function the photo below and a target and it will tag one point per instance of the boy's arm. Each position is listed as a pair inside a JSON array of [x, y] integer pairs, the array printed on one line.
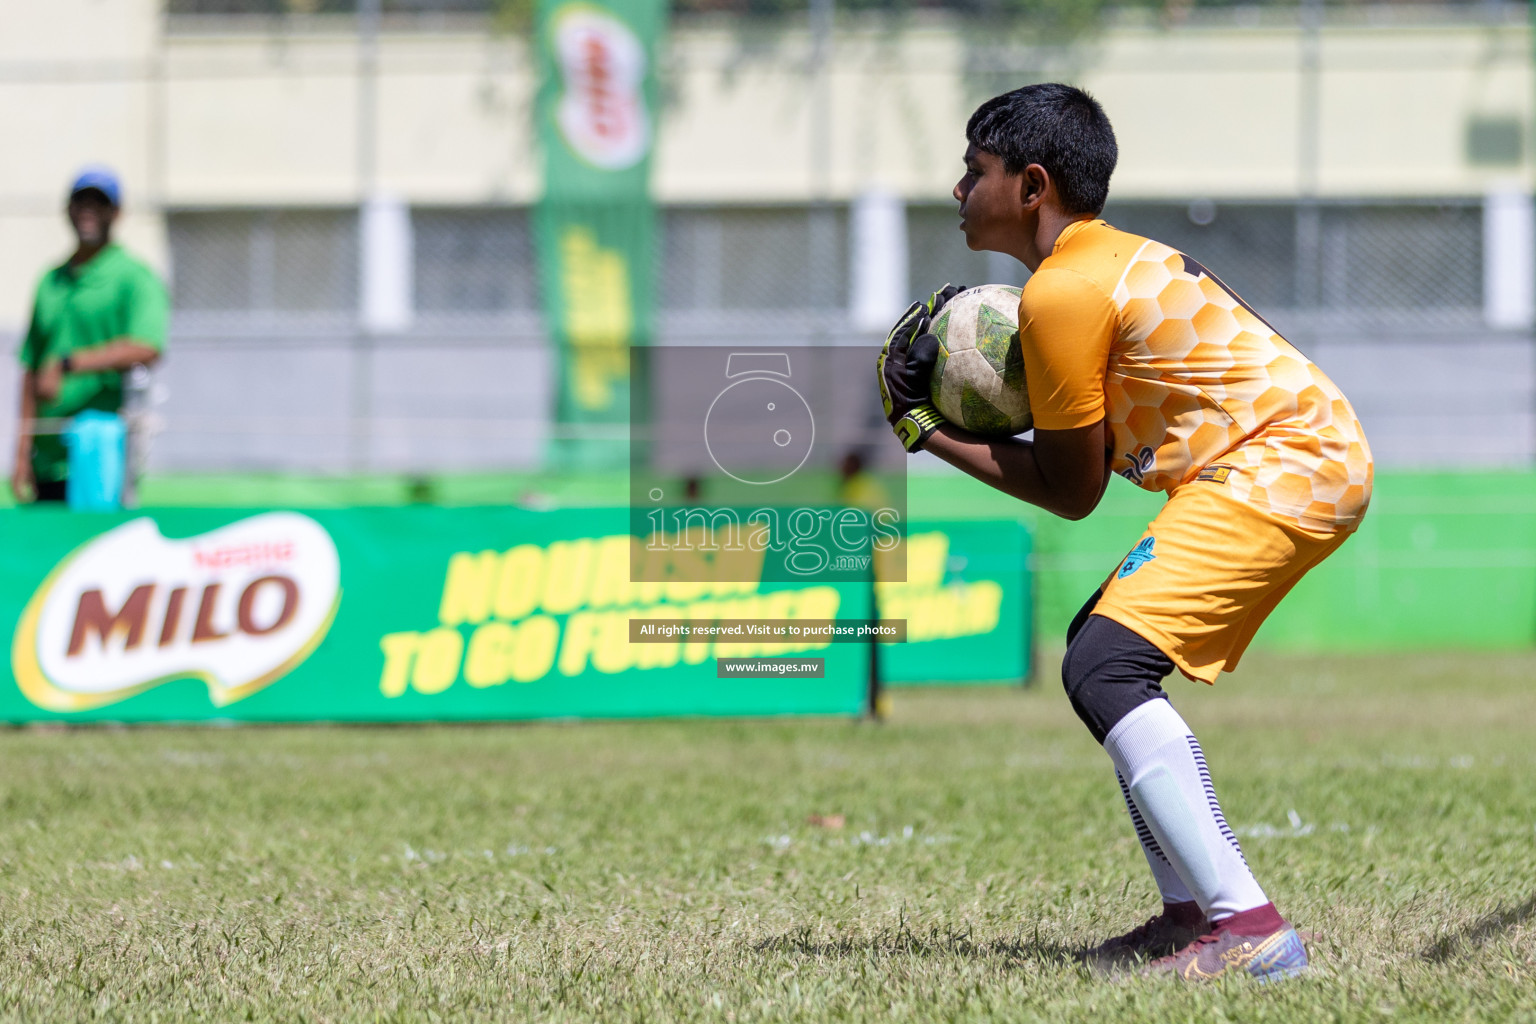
[[1067, 325], [1062, 471]]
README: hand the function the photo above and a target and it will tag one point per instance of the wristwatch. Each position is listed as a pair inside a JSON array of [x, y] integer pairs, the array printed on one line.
[[67, 364]]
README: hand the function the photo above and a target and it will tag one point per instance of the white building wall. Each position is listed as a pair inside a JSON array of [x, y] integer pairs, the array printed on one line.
[[76, 86], [243, 118], [260, 121]]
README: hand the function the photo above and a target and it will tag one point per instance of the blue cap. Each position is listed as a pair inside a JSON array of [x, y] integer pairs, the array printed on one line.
[[103, 179]]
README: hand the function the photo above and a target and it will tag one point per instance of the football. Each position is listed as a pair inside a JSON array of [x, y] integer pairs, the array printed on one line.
[[978, 382]]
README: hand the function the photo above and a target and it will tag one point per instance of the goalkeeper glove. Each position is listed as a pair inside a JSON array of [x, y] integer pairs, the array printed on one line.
[[940, 298], [906, 371]]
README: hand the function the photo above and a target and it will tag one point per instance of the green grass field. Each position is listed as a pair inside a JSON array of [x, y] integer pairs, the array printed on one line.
[[667, 871]]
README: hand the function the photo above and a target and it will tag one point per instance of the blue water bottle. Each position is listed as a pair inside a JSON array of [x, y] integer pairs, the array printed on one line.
[[97, 443]]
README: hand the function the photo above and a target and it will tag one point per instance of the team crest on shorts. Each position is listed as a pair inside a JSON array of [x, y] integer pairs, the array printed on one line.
[[1215, 473], [1140, 555]]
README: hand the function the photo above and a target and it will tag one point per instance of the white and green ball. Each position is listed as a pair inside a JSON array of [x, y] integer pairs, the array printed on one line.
[[978, 382]]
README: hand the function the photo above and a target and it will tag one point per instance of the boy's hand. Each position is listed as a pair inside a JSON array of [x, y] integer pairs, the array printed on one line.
[[905, 369]]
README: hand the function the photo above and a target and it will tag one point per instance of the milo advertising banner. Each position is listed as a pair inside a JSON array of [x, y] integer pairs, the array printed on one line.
[[595, 222], [235, 609], [382, 614], [967, 603], [439, 614]]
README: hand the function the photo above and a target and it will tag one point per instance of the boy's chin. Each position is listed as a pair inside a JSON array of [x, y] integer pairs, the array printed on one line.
[[978, 239]]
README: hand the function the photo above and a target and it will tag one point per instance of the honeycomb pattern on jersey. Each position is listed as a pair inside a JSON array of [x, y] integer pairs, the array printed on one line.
[[1199, 382]]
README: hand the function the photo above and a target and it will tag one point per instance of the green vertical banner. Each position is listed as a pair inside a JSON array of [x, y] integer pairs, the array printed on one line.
[[596, 222]]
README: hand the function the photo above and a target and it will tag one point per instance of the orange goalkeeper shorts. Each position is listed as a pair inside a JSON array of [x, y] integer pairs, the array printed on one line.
[[1206, 574]]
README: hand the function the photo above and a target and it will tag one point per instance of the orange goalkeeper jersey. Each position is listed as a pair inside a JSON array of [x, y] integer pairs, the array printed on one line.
[[1194, 384]]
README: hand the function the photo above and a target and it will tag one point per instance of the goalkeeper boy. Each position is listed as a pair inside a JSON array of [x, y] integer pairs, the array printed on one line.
[[1139, 361]]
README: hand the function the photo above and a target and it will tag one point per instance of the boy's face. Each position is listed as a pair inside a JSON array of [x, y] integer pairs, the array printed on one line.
[[992, 212]]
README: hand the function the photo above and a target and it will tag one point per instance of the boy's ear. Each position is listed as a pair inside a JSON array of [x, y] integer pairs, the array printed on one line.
[[1034, 184]]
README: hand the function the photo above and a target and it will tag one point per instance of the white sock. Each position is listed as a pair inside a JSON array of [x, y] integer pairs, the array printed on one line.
[[1169, 885], [1165, 773]]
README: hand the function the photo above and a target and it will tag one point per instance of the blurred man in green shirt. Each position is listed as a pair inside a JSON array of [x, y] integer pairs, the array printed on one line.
[[100, 313]]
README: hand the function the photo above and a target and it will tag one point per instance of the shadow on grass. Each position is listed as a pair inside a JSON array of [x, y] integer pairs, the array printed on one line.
[[935, 943], [1481, 931]]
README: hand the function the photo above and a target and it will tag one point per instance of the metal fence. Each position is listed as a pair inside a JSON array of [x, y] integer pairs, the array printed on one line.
[[270, 370], [1375, 264]]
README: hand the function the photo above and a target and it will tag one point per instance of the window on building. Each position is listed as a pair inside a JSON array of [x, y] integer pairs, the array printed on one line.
[[1250, 246], [1383, 261], [754, 258], [1402, 261], [474, 261], [264, 261], [937, 253], [1495, 141], [1391, 262]]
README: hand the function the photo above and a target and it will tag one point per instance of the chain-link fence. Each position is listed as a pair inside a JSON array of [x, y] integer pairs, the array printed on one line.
[[1373, 265], [269, 368], [474, 263], [243, 266], [1414, 264]]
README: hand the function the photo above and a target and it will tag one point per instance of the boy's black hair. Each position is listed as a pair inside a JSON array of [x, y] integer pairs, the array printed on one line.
[[1061, 128]]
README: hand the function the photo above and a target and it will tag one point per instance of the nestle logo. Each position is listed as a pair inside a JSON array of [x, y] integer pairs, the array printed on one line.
[[602, 112], [230, 556]]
